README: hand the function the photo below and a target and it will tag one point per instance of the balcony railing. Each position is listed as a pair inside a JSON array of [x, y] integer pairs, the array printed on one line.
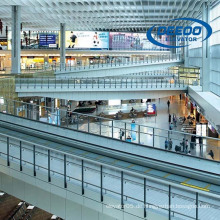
[[144, 136], [101, 83]]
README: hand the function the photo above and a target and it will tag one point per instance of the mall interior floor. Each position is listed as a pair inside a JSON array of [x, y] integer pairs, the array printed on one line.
[[177, 107]]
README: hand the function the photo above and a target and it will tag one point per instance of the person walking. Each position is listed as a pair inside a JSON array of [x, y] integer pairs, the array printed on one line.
[[175, 121], [168, 104], [184, 145], [169, 118], [171, 127], [166, 144], [200, 144], [121, 134], [170, 144], [193, 142], [187, 144], [180, 96], [211, 154]]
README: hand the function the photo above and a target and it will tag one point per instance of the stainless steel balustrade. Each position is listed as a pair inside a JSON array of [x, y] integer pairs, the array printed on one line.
[[86, 65], [133, 61], [155, 73], [146, 136], [128, 188], [106, 82]]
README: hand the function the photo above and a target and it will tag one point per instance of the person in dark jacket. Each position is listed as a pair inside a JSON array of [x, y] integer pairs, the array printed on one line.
[[169, 118], [170, 144], [211, 154], [193, 142], [200, 143], [168, 104]]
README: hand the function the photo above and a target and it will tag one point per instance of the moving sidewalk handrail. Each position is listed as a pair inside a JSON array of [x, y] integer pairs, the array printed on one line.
[[122, 178]]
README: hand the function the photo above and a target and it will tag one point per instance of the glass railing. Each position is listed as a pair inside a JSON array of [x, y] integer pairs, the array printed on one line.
[[38, 68], [122, 61], [101, 82], [154, 73], [126, 190], [119, 62], [138, 49], [142, 135]]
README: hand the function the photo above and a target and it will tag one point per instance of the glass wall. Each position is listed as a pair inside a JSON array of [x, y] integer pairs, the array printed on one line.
[[215, 50]]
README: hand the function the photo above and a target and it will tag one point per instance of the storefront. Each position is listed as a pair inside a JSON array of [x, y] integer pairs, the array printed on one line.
[[54, 59], [189, 75], [32, 62]]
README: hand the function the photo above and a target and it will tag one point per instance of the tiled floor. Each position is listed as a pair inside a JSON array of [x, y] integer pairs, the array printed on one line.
[[177, 107]]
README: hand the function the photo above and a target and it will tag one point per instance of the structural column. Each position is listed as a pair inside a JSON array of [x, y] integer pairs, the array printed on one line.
[[186, 51], [62, 46], [16, 40], [205, 73]]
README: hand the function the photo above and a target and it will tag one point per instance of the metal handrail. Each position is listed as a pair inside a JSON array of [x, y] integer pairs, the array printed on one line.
[[112, 82], [126, 127], [103, 118], [116, 63], [84, 182]]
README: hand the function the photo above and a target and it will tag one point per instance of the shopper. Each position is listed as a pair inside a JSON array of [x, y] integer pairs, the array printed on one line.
[[174, 116], [184, 119], [128, 138], [184, 145], [169, 120], [187, 144], [171, 127], [180, 96], [193, 142], [170, 144], [166, 144], [175, 121], [200, 144], [211, 154], [132, 110], [168, 104], [121, 133]]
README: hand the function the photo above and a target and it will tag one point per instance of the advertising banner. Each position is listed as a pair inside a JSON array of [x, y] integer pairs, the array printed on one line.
[[47, 40], [87, 40], [133, 41], [3, 41], [36, 40]]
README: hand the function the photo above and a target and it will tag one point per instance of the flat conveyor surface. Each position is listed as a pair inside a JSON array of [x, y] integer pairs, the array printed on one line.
[[169, 177]]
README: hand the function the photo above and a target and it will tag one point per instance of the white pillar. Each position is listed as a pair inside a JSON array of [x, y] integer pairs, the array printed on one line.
[[186, 51], [16, 40], [62, 46], [205, 72]]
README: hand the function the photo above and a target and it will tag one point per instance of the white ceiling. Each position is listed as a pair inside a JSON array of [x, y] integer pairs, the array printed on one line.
[[105, 15]]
